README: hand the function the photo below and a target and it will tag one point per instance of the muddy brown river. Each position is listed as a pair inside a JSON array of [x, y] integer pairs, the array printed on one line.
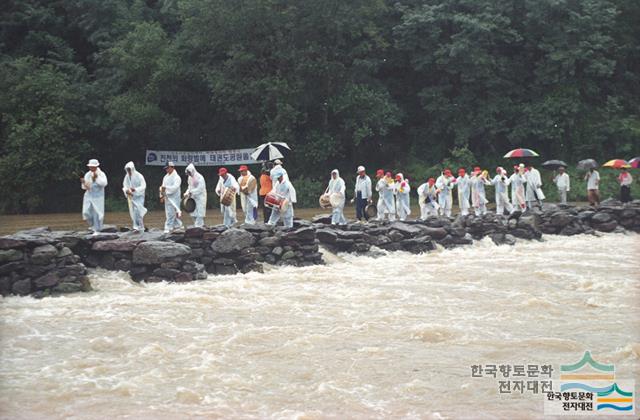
[[390, 337]]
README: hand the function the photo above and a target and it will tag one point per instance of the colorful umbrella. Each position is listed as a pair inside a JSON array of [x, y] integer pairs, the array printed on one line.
[[587, 164], [554, 164], [635, 162], [521, 153], [617, 164], [269, 151]]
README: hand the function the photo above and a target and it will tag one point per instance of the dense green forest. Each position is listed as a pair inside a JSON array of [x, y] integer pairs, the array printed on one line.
[[405, 85]]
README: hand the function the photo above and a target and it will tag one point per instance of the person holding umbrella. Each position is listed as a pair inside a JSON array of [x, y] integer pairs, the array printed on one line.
[[563, 183], [625, 179], [593, 180]]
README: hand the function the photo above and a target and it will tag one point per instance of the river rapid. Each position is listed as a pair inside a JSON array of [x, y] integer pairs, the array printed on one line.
[[360, 337]]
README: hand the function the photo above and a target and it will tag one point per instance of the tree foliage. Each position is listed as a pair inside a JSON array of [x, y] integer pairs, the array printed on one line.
[[407, 84]]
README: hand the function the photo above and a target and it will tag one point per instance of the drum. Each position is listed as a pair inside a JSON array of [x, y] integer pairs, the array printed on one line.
[[227, 197], [324, 201], [246, 186], [371, 210], [273, 200], [336, 199], [189, 204]]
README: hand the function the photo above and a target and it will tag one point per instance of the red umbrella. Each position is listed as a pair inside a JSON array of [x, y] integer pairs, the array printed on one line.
[[617, 164], [635, 162], [521, 153]]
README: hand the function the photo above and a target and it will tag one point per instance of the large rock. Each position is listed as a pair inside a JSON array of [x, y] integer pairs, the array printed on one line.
[[48, 280], [435, 232], [322, 218], [407, 230], [21, 287], [232, 240], [7, 243], [8, 255], [155, 252], [607, 227], [304, 234], [561, 219], [269, 241], [117, 245], [43, 254], [601, 217]]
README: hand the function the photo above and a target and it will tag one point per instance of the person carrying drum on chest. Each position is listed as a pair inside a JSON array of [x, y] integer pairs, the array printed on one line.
[[280, 199], [197, 189], [248, 195], [227, 189], [336, 191]]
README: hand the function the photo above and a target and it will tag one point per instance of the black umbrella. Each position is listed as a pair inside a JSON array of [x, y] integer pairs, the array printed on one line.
[[269, 151], [554, 164], [587, 164]]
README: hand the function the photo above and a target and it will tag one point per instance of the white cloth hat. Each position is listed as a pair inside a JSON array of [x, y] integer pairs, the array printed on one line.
[[360, 169], [93, 162], [277, 162]]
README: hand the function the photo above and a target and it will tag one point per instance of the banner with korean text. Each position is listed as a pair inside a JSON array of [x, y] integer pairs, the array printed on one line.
[[200, 158]]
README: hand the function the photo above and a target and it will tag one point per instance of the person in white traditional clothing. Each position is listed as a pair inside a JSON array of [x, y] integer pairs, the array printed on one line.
[[501, 183], [227, 182], [379, 187], [534, 191], [593, 186], [514, 200], [93, 183], [518, 182], [248, 195], [197, 189], [283, 189], [428, 199], [386, 202], [170, 195], [478, 196], [363, 194], [563, 183], [277, 168], [445, 184], [134, 187], [464, 191], [403, 197], [336, 190]]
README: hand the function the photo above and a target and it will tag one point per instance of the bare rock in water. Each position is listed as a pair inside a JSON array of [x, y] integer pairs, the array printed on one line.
[[232, 240], [155, 252]]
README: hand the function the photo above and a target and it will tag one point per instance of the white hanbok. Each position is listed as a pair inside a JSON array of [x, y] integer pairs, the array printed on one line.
[[197, 189], [93, 200], [171, 183], [249, 198], [135, 199], [228, 212]]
